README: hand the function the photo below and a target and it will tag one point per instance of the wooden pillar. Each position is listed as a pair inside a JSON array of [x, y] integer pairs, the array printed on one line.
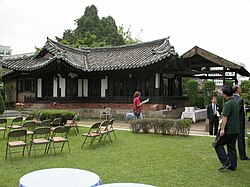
[[224, 75], [157, 83], [235, 79]]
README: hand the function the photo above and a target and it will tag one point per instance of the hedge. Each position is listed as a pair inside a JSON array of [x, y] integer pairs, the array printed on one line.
[[52, 114], [162, 126]]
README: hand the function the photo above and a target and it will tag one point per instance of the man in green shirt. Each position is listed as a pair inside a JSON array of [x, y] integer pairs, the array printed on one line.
[[229, 131]]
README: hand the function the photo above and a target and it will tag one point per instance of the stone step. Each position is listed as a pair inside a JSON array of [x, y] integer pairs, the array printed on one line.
[[13, 113]]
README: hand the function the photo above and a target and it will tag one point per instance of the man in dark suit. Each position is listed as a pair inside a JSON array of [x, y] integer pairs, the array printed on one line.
[[241, 135], [213, 110]]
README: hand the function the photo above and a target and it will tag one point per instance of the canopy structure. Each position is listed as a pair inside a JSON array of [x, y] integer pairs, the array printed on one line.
[[208, 65]]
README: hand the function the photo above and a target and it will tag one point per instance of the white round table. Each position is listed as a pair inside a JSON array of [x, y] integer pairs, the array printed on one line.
[[126, 185], [63, 177]]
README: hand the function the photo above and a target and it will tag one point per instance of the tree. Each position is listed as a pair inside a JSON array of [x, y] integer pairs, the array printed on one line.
[[127, 36], [91, 31], [185, 84], [245, 88], [209, 87], [2, 107], [229, 82], [192, 92]]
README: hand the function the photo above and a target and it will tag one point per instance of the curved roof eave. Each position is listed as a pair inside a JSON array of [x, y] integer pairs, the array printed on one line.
[[98, 59]]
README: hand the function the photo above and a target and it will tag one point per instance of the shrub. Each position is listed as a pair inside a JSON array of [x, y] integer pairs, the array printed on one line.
[[185, 126], [200, 101], [166, 126], [209, 87], [163, 126], [220, 100], [229, 82], [52, 114], [245, 87], [248, 139], [2, 107], [192, 92]]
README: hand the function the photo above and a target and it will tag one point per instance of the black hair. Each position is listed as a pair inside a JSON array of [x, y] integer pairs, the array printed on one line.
[[227, 90]]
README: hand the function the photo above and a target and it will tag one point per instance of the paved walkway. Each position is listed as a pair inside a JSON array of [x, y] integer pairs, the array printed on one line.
[[197, 129]]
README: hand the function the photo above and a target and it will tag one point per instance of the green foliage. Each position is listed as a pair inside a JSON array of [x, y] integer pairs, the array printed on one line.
[[2, 107], [192, 92], [91, 31], [185, 84], [200, 101], [37, 49], [163, 126], [52, 114], [184, 126], [245, 88], [127, 36], [220, 100], [229, 82], [209, 87], [248, 139]]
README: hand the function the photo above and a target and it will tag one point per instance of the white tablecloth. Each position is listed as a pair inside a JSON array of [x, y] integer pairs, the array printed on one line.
[[126, 185], [63, 177], [197, 115]]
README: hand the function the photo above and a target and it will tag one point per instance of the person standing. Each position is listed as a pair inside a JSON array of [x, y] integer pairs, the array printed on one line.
[[212, 110], [241, 137], [229, 131], [137, 107]]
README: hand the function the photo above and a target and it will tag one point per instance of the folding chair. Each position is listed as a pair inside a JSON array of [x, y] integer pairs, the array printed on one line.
[[40, 136], [16, 123], [38, 117], [29, 126], [103, 131], [111, 128], [3, 125], [45, 123], [15, 139], [56, 122], [60, 135], [73, 124], [29, 118], [92, 134]]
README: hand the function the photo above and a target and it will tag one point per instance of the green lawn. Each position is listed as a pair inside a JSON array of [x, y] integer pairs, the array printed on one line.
[[141, 158]]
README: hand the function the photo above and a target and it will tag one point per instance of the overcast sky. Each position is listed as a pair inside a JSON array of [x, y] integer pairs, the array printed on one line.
[[219, 26]]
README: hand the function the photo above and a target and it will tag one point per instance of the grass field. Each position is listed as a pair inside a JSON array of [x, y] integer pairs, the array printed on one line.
[[141, 158]]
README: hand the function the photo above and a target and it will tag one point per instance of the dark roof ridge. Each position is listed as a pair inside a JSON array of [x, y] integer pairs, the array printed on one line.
[[60, 46], [19, 57], [128, 46]]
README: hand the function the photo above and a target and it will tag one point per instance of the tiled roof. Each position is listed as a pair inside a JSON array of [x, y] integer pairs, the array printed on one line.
[[96, 59], [192, 57]]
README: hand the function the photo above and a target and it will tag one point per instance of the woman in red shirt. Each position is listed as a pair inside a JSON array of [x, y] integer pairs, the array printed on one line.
[[137, 105]]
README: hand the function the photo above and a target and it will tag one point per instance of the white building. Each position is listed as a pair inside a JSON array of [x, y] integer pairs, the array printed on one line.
[[5, 51]]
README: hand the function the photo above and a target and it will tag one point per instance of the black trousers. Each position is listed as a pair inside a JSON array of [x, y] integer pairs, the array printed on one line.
[[241, 143], [213, 124], [231, 157]]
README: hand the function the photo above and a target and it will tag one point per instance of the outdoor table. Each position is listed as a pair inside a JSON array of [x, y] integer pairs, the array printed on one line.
[[196, 115], [126, 185], [63, 177]]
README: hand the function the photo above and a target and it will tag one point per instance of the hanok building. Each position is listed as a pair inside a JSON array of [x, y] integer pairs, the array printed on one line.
[[108, 75]]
